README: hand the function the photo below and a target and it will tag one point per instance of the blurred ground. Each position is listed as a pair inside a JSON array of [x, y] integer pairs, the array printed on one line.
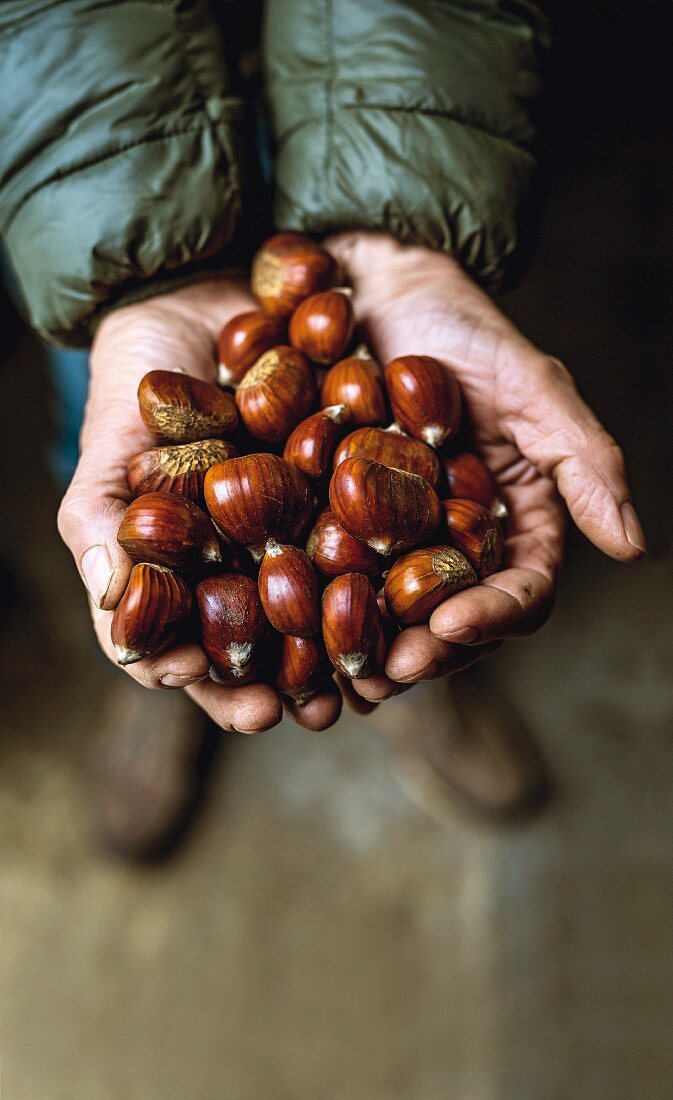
[[318, 936]]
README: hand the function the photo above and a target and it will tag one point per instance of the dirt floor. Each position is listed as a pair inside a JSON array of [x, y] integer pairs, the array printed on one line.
[[319, 935]]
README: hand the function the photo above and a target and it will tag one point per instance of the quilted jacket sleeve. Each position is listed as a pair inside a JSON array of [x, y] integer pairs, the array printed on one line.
[[411, 116], [120, 151]]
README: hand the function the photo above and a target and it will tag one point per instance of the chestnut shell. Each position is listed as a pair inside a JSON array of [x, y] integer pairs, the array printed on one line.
[[419, 581], [353, 628], [386, 508], [257, 497]]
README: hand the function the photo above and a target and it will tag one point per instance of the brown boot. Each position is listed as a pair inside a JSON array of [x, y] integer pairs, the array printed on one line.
[[150, 766], [460, 742]]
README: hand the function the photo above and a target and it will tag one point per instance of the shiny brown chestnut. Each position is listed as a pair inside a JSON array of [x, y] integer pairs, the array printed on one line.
[[258, 497], [425, 398], [242, 340], [392, 447], [288, 268], [467, 477], [353, 628], [357, 383], [303, 668], [165, 529], [234, 627], [334, 552], [276, 393], [311, 445], [180, 409], [147, 619], [322, 325], [474, 531], [179, 469], [388, 509], [421, 580], [288, 589]]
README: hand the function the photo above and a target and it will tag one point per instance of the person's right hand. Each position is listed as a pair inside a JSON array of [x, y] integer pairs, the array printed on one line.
[[178, 329]]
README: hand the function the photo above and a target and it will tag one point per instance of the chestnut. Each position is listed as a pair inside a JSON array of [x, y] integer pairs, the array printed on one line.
[[357, 383], [288, 268], [258, 497], [164, 529], [288, 589], [180, 409], [334, 552], [276, 393], [352, 626], [148, 616], [418, 582], [392, 447], [467, 477], [177, 469], [311, 444], [233, 625], [474, 531], [303, 668], [243, 340], [387, 508], [425, 397], [322, 325]]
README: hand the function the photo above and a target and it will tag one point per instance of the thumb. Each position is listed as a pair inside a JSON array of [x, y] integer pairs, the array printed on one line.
[[88, 521], [559, 433]]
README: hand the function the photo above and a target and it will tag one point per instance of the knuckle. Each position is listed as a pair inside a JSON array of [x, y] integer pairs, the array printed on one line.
[[69, 516], [610, 453], [556, 371]]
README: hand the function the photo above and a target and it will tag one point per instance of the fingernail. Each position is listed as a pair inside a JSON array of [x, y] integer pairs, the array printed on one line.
[[632, 529], [465, 636], [173, 680], [97, 572]]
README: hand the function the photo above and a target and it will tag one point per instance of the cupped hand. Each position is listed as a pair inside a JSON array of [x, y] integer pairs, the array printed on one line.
[[175, 330], [531, 427]]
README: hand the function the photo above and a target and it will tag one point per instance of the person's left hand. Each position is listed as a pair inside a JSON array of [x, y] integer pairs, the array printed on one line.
[[531, 428]]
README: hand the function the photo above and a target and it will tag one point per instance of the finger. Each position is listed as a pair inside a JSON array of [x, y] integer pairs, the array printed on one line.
[[320, 712], [375, 689], [356, 703], [507, 604], [177, 667], [559, 433], [417, 654], [249, 709]]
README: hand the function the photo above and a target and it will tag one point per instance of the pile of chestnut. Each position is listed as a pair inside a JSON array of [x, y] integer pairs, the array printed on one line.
[[294, 517]]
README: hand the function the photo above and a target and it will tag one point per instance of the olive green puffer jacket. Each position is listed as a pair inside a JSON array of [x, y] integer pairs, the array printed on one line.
[[126, 166]]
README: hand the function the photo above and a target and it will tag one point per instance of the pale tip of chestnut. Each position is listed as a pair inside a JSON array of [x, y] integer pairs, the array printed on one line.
[[499, 509], [224, 375], [239, 654], [434, 435], [395, 429], [353, 664], [381, 546], [347, 291], [335, 412], [273, 548], [127, 656], [301, 698], [361, 352], [212, 552]]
